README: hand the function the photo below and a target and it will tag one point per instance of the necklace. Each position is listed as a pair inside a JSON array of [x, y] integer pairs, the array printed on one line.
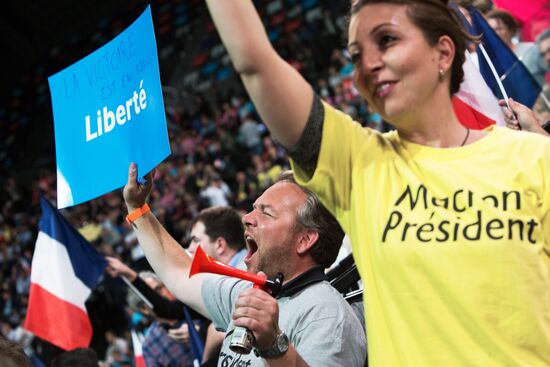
[[466, 138]]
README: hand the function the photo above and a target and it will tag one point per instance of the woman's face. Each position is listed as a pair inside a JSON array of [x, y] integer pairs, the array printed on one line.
[[395, 69]]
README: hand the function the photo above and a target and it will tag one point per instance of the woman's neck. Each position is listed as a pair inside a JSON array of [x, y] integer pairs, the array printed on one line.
[[435, 125]]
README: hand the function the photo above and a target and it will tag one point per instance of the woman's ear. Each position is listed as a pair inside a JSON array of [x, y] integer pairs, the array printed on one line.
[[447, 49]]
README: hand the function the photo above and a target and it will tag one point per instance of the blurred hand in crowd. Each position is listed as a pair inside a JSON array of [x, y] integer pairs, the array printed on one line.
[[181, 334], [116, 268]]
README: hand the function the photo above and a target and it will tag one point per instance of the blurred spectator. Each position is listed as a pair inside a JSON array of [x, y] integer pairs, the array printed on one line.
[[117, 348], [543, 44], [507, 27], [249, 134], [216, 192], [80, 357], [12, 355]]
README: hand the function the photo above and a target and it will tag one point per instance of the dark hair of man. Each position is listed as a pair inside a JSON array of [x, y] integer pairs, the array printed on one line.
[[313, 215], [506, 18], [222, 221], [12, 354], [80, 357], [435, 19]]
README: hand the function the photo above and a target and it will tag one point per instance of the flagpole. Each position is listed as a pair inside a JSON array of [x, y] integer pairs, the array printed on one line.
[[546, 102], [137, 292], [196, 344], [495, 74]]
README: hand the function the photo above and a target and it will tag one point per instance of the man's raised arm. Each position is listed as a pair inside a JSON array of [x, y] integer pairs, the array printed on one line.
[[169, 260]]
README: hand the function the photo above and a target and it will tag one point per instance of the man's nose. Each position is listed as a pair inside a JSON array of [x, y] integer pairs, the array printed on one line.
[[249, 219]]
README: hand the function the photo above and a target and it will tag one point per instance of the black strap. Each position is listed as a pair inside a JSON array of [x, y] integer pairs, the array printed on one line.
[[302, 281]]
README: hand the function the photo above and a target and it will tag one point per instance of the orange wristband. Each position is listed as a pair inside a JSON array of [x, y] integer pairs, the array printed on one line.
[[135, 214]]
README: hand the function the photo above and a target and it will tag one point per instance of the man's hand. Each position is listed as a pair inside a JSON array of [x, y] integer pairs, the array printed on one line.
[[116, 268], [258, 311], [134, 193], [181, 334]]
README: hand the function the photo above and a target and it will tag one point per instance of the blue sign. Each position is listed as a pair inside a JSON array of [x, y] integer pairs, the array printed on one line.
[[108, 111]]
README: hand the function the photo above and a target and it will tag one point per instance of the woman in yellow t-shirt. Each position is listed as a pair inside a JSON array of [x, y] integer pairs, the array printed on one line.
[[450, 227]]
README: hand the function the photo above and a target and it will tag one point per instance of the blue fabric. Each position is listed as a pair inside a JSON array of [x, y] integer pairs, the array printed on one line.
[[518, 83], [88, 264], [196, 343], [237, 258]]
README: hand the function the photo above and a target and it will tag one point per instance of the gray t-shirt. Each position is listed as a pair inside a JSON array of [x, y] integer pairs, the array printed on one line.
[[320, 324]]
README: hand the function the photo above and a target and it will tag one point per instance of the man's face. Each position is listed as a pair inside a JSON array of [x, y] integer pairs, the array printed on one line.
[[270, 230], [501, 29], [199, 237], [544, 49]]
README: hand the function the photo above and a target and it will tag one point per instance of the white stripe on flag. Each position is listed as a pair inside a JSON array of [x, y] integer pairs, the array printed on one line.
[[53, 271], [136, 342], [477, 94]]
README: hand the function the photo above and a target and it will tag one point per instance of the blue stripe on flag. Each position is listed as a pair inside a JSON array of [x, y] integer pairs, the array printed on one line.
[[518, 81], [88, 264]]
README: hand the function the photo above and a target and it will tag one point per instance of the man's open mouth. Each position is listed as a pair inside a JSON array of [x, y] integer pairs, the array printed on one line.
[[251, 245]]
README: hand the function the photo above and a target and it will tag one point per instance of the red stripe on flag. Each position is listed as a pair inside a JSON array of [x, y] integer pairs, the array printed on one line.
[[469, 116], [140, 361], [60, 323]]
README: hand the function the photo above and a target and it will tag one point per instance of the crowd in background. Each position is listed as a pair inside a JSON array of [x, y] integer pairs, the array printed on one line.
[[222, 154]]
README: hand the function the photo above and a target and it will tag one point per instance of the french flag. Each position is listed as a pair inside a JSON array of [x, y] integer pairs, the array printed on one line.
[[138, 352], [516, 80], [65, 268], [474, 104]]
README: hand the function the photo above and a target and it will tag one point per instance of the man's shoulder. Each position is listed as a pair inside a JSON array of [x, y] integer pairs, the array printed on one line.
[[319, 299]]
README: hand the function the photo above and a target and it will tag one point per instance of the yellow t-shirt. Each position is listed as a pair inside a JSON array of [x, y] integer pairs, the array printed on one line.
[[453, 245]]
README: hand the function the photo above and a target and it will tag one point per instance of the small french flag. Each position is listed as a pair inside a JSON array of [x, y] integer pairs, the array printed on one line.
[[475, 104], [138, 353], [65, 268]]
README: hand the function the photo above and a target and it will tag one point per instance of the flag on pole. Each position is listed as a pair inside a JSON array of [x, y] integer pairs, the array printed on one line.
[[196, 343], [474, 104], [65, 268], [138, 352], [516, 79]]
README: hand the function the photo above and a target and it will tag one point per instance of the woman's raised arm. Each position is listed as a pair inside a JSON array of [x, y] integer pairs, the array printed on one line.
[[282, 97]]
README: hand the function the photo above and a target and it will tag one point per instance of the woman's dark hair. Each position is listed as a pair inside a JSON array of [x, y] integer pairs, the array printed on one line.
[[435, 19]]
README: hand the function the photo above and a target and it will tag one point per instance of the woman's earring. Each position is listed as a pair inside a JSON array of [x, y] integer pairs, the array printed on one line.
[[441, 73]]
